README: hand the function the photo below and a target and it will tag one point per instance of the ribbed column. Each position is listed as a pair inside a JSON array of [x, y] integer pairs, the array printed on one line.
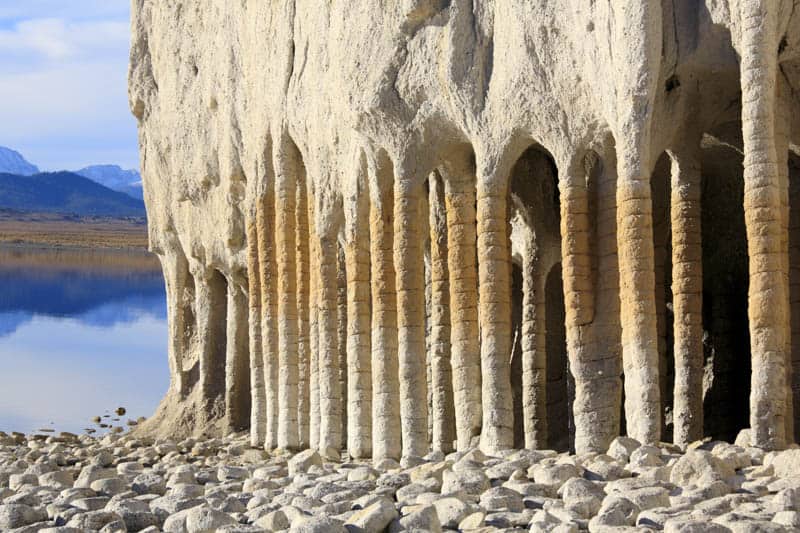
[[265, 222], [211, 305], [237, 362], [464, 332], [359, 368], [179, 316], [258, 402], [638, 307], [442, 411], [409, 267], [763, 193], [330, 409], [687, 296], [494, 268], [385, 384], [341, 332], [303, 323], [534, 355], [285, 246], [313, 303]]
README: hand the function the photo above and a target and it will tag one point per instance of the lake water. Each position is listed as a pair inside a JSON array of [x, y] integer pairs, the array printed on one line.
[[82, 332]]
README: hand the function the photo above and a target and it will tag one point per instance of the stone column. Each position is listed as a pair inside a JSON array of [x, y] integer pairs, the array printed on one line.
[[341, 332], [687, 295], [409, 266], [494, 269], [237, 372], [385, 384], [464, 332], [176, 275], [767, 294], [313, 323], [303, 325], [265, 222], [211, 305], [534, 354], [330, 409], [359, 394], [258, 402], [637, 303], [285, 233], [442, 412]]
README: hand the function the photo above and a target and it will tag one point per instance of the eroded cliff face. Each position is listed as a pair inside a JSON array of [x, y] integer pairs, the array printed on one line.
[[388, 227]]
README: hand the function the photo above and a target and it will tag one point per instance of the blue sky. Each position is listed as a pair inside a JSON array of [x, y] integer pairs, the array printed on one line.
[[63, 70]]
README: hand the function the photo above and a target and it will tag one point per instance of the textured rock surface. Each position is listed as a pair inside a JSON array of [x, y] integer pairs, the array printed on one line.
[[233, 487], [459, 223]]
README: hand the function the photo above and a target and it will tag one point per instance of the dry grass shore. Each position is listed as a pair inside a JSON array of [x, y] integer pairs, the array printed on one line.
[[67, 231]]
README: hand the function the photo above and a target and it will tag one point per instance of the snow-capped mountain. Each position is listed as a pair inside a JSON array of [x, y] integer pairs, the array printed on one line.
[[114, 177], [12, 162]]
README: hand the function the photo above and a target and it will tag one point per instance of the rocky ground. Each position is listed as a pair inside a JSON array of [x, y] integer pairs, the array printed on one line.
[[115, 483]]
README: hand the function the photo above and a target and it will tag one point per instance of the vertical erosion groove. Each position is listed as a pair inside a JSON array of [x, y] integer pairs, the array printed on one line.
[[767, 293], [464, 332], [534, 355], [286, 182], [258, 408], [330, 409], [409, 266], [638, 308], [303, 328], [494, 268], [782, 133], [385, 385], [341, 333], [265, 222], [359, 382], [443, 411], [687, 296], [237, 374]]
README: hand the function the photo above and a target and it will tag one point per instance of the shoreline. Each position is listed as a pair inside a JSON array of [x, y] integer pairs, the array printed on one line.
[[53, 231]]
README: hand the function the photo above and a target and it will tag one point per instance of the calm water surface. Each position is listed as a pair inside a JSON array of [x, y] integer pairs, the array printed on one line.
[[82, 332]]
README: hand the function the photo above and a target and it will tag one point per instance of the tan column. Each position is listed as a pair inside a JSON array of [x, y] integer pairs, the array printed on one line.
[[638, 307], [409, 267], [442, 410], [176, 275], [330, 409], [763, 193], [385, 384], [359, 394], [285, 232], [265, 222], [258, 402], [464, 333], [687, 296], [494, 269], [341, 332], [237, 361], [303, 324]]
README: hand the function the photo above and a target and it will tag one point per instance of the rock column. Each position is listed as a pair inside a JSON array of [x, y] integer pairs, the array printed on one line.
[[303, 324], [330, 409], [464, 332], [385, 384], [767, 294], [265, 222], [534, 355], [494, 269], [359, 382], [237, 372], [442, 409], [687, 296], [409, 268], [258, 402]]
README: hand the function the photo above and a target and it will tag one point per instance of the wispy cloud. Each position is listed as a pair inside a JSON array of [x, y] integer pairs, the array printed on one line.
[[63, 88]]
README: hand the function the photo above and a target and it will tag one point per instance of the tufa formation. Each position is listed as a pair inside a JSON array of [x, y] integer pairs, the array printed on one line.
[[393, 227]]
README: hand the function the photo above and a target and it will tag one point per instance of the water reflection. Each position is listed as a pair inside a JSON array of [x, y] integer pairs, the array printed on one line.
[[81, 332]]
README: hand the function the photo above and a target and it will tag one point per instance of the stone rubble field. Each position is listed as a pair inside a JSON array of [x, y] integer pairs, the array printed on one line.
[[69, 483]]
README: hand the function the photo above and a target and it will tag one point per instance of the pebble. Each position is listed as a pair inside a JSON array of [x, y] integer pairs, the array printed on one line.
[[123, 483]]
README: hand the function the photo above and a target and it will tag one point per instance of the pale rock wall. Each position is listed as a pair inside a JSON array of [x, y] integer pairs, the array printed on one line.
[[367, 128]]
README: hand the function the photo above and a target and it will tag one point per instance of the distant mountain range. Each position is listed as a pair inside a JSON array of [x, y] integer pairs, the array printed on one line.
[[98, 190], [111, 176], [65, 192]]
